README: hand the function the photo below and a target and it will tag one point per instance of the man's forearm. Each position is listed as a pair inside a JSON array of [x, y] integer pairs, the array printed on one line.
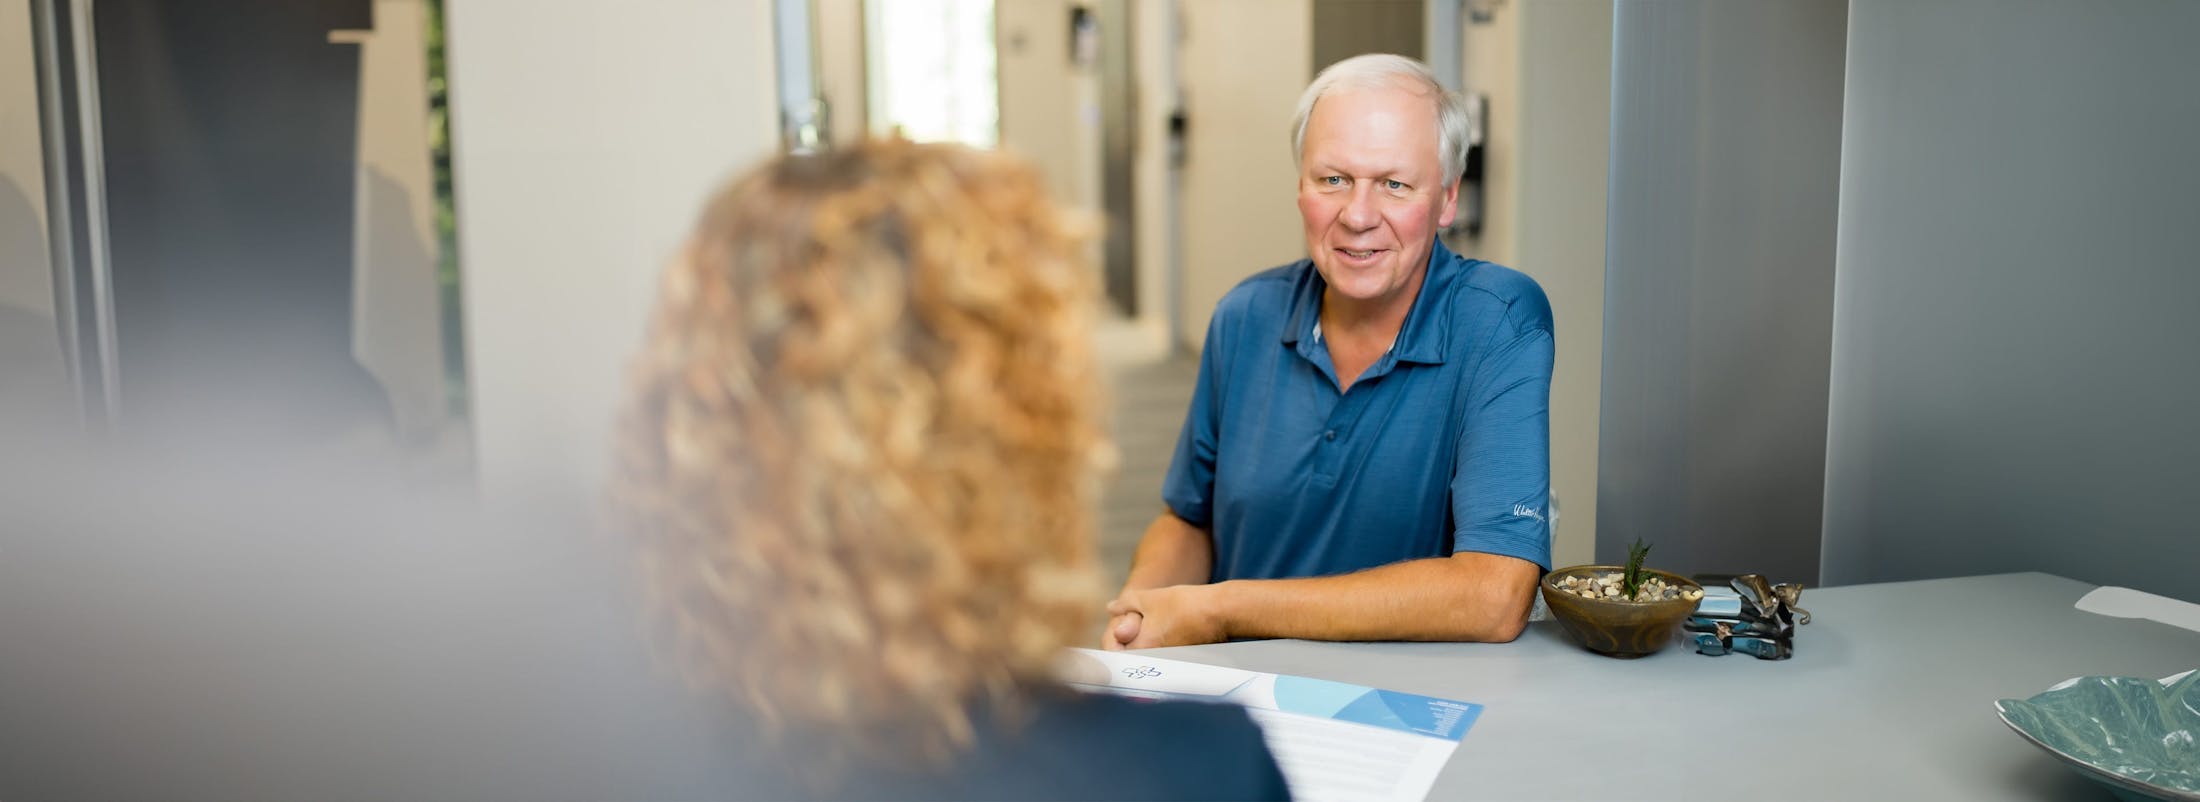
[[1465, 597], [1172, 552]]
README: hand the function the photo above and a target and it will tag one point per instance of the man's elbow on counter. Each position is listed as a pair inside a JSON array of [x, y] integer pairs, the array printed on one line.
[[1504, 627], [1492, 621], [1493, 609], [1510, 630]]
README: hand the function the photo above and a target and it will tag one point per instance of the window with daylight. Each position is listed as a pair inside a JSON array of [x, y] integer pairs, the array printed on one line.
[[931, 70]]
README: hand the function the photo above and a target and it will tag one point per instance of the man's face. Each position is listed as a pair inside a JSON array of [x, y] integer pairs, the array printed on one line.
[[1372, 191]]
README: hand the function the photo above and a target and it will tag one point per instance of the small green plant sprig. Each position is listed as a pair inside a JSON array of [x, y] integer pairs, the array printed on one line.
[[1630, 581]]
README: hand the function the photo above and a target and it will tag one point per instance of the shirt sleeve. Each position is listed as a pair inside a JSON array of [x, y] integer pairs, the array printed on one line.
[[1501, 482], [1189, 488]]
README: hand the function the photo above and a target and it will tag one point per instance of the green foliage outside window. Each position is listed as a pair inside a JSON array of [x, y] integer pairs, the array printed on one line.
[[446, 219]]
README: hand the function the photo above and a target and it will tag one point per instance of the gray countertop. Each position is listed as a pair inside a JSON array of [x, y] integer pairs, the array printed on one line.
[[1890, 695]]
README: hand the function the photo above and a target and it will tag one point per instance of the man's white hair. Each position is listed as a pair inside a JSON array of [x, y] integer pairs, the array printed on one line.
[[1381, 70]]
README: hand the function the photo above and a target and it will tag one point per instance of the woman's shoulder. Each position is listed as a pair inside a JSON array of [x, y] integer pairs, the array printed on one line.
[[1055, 744], [1104, 746], [1110, 710]]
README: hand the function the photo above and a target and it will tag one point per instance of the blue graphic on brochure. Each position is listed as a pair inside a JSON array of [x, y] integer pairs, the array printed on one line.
[[1448, 719]]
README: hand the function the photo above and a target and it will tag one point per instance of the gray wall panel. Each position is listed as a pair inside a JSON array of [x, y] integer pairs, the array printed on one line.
[[1726, 119], [2016, 374]]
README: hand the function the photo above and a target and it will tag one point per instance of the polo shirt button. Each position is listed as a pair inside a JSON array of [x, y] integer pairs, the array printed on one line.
[[1329, 435]]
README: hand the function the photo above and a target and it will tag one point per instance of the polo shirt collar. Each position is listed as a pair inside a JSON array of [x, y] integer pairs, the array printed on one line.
[[1426, 330]]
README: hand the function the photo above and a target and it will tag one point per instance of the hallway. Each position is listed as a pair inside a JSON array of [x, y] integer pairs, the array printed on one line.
[[1150, 398]]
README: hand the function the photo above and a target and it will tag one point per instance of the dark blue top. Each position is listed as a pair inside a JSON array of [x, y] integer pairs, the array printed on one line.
[[1073, 746], [1442, 445]]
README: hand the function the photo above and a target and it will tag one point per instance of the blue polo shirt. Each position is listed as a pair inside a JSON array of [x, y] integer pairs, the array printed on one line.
[[1442, 445]]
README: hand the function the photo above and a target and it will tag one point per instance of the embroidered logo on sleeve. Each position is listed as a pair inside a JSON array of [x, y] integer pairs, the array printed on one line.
[[1525, 511]]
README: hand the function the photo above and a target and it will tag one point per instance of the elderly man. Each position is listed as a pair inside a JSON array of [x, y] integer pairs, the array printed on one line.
[[1366, 456]]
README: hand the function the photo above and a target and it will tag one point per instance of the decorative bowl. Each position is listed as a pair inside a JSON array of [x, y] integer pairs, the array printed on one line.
[[2140, 737], [1615, 627]]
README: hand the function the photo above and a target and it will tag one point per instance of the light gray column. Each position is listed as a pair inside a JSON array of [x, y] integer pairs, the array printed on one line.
[[2016, 373], [801, 114], [1726, 124], [1441, 49]]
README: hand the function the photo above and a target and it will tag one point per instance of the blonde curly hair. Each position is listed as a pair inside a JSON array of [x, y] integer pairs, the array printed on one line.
[[862, 446]]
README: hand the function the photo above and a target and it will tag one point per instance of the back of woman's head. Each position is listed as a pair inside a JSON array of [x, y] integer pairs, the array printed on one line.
[[858, 456]]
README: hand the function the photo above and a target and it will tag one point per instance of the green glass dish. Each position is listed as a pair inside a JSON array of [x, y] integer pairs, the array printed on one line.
[[2141, 737]]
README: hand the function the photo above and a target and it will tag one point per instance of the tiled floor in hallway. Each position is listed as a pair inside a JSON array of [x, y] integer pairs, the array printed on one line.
[[1150, 400]]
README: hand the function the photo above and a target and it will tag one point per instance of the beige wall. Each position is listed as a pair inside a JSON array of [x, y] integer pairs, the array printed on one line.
[[26, 279], [1546, 70], [1049, 109], [397, 317], [1243, 64], [1153, 76], [587, 135], [33, 372], [840, 66], [1491, 59], [1561, 155], [1347, 28]]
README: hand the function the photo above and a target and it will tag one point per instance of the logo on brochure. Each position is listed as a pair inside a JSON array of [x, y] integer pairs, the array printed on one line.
[[1142, 672]]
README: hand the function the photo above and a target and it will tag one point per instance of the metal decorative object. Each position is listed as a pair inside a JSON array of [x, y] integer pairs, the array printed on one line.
[[1762, 625], [1788, 593]]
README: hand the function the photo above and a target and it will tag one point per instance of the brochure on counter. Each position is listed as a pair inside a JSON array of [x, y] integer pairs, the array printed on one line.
[[1333, 740]]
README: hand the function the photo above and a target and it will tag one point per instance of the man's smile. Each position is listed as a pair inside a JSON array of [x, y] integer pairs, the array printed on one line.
[[1360, 256]]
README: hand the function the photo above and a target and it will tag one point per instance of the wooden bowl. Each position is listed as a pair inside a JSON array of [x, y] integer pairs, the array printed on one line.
[[1616, 627]]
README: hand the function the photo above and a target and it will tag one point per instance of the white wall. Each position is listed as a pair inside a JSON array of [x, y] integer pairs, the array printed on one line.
[[1243, 64], [1564, 126], [586, 136]]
